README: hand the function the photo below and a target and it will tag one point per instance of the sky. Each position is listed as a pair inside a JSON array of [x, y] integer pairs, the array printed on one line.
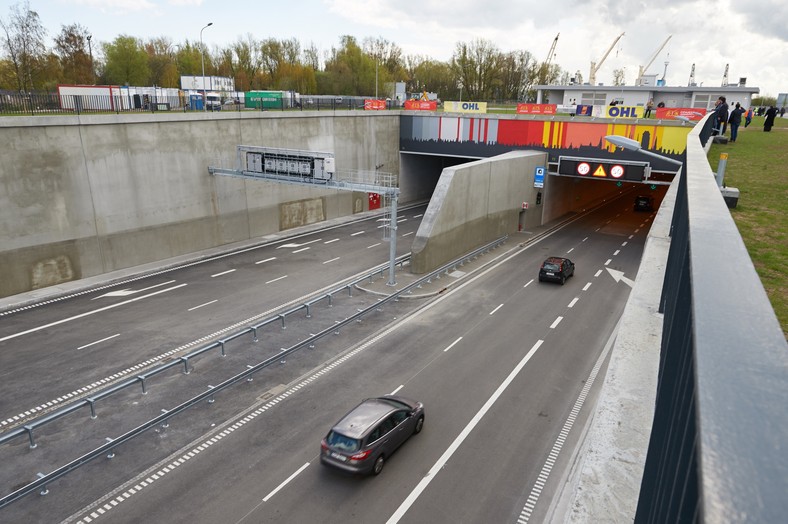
[[749, 36]]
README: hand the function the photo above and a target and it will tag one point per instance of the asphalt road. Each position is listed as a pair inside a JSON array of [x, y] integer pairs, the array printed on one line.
[[504, 365]]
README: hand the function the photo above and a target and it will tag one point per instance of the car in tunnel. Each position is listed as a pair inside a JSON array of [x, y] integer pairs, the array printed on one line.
[[644, 203], [368, 434], [556, 269]]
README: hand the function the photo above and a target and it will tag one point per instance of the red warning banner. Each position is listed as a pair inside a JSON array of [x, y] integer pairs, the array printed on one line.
[[693, 113], [421, 105], [536, 109], [374, 105]]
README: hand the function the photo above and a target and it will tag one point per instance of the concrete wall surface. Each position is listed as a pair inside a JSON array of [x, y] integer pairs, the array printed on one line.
[[473, 204], [85, 195]]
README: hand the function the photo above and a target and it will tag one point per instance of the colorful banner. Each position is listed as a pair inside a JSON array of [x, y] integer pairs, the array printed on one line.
[[465, 107], [584, 110], [537, 109], [693, 113], [624, 112], [374, 105], [421, 105]]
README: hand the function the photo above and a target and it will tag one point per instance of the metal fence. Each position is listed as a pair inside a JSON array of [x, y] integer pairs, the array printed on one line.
[[717, 451]]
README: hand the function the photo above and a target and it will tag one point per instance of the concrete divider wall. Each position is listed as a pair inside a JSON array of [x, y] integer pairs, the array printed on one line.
[[475, 203], [85, 195]]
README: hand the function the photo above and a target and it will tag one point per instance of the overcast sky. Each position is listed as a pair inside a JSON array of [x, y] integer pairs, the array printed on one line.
[[751, 36]]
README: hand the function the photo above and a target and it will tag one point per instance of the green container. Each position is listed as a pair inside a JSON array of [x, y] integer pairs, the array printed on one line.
[[263, 100]]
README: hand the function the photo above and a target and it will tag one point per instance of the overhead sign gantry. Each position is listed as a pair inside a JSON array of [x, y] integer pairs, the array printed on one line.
[[316, 168]]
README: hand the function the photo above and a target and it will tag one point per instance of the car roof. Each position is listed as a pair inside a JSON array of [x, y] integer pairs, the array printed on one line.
[[361, 418], [555, 260]]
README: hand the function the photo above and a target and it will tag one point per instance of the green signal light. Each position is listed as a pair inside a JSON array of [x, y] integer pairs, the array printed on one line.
[[619, 184], [653, 186]]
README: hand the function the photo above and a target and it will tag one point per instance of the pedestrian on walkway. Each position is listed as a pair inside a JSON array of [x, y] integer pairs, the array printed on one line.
[[769, 122], [748, 117], [721, 115], [735, 121]]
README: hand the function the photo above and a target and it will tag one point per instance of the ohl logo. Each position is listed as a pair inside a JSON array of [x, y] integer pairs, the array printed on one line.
[[473, 106], [622, 111]]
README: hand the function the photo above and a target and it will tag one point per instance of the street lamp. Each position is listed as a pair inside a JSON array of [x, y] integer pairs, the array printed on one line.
[[634, 145], [202, 61]]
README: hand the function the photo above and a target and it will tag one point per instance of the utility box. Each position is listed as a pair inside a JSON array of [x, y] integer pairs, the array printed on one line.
[[731, 196]]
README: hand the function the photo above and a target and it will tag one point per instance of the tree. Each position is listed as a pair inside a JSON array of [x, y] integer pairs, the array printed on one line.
[[249, 59], [126, 62], [71, 48], [161, 62], [517, 74], [476, 65], [349, 71], [618, 77], [24, 42]]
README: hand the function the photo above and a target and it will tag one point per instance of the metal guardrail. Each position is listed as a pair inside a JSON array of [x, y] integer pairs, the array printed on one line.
[[717, 451], [41, 483]]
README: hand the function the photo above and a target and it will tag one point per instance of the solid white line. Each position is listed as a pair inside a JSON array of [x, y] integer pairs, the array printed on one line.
[[266, 260], [202, 305], [496, 309], [98, 341], [331, 241], [332, 260], [374, 245], [283, 484], [573, 302], [452, 345], [274, 280], [223, 273], [87, 313], [556, 322], [302, 249], [139, 290], [422, 485], [357, 233], [397, 390]]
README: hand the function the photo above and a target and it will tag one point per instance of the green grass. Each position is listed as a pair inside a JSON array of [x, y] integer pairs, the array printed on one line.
[[757, 167]]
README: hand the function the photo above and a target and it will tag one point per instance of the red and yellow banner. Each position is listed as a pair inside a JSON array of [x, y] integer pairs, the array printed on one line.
[[421, 105], [536, 109], [693, 113], [374, 105]]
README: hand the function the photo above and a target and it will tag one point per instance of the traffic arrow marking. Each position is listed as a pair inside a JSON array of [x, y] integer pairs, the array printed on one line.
[[618, 276]]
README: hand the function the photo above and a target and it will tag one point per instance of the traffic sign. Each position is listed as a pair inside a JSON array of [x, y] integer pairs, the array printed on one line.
[[603, 169]]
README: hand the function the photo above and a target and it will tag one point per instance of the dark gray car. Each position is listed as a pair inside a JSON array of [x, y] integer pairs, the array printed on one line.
[[368, 434]]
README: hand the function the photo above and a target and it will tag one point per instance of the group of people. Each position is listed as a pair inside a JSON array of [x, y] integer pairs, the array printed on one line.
[[724, 116]]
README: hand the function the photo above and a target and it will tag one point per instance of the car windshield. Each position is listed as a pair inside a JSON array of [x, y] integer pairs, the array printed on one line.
[[341, 442], [551, 266]]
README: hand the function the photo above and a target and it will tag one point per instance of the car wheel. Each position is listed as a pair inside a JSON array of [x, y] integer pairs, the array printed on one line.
[[419, 425], [563, 279], [378, 467]]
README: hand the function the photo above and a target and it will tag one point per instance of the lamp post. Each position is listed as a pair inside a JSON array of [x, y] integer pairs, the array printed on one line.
[[634, 145], [90, 50], [202, 61]]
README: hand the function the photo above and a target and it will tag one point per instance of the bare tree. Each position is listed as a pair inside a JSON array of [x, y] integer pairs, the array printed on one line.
[[24, 43], [618, 77], [477, 66], [71, 47]]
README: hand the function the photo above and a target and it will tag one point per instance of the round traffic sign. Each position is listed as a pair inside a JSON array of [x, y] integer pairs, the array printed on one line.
[[617, 171], [583, 168]]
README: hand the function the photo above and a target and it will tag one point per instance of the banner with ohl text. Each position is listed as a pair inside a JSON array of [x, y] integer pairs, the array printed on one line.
[[536, 109], [693, 113], [421, 105], [371, 104], [465, 107], [624, 112]]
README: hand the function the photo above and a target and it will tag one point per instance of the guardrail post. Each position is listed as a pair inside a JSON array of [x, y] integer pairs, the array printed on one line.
[[211, 400], [111, 453], [308, 314], [282, 360], [185, 361], [29, 430], [283, 321], [221, 343], [142, 381], [166, 422], [44, 489], [92, 403], [249, 378], [254, 330]]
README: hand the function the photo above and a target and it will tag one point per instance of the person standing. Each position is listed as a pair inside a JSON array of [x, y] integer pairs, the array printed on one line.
[[748, 117], [735, 121], [769, 122], [649, 107], [721, 114]]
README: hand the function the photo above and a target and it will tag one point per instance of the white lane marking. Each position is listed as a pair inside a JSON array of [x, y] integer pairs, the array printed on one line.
[[527, 283], [549, 463], [88, 313], [397, 390], [283, 484], [452, 345], [357, 233], [556, 322], [585, 288], [631, 237], [202, 305], [331, 241], [616, 252], [266, 260], [418, 216], [332, 260], [127, 292], [609, 260], [274, 280], [618, 276], [638, 229], [406, 234], [302, 249], [374, 245], [586, 238], [291, 245], [401, 220], [223, 273], [571, 250], [99, 341], [598, 272], [496, 309], [624, 244], [573, 302], [422, 485]]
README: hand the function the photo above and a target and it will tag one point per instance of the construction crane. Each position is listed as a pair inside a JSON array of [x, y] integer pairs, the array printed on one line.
[[544, 70], [595, 66], [551, 53], [643, 69], [725, 76], [692, 76]]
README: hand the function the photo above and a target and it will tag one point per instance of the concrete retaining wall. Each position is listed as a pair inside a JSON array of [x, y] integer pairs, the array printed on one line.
[[85, 195], [476, 203]]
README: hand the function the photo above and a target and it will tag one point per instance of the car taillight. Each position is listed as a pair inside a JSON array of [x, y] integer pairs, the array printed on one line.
[[361, 455], [324, 445]]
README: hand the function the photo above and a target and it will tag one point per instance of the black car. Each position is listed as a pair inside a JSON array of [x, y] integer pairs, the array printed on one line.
[[556, 269], [644, 203], [368, 434]]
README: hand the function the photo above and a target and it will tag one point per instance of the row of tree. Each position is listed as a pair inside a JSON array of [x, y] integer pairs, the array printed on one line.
[[477, 70]]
